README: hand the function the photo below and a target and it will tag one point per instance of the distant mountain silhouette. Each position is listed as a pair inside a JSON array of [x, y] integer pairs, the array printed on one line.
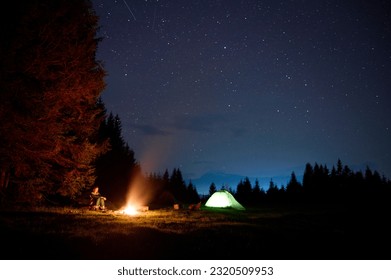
[[228, 180]]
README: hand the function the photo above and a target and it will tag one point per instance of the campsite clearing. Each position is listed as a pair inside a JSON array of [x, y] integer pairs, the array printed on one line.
[[268, 233]]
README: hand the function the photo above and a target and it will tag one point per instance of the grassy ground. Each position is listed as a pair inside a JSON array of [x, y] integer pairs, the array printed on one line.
[[263, 233]]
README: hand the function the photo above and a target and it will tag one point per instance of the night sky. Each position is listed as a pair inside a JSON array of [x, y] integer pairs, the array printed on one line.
[[254, 88]]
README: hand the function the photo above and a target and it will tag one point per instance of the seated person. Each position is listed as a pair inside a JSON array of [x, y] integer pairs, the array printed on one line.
[[98, 201]]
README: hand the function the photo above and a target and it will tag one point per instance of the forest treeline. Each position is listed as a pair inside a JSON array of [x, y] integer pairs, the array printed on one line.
[[57, 140], [319, 185]]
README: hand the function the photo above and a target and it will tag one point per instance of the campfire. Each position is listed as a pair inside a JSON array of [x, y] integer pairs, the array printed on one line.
[[133, 210], [130, 210], [136, 198]]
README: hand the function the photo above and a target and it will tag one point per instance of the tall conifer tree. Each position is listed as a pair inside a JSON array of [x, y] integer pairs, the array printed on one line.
[[50, 83]]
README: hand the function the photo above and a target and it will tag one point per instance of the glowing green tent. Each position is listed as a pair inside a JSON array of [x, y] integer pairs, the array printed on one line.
[[223, 199]]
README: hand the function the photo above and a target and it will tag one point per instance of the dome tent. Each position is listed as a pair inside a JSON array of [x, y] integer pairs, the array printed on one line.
[[223, 199]]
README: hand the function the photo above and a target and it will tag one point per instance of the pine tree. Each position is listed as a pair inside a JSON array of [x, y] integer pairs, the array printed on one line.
[[212, 188], [192, 194], [244, 190], [272, 192], [308, 179], [258, 193], [294, 188], [178, 185], [339, 167], [166, 180], [50, 83]]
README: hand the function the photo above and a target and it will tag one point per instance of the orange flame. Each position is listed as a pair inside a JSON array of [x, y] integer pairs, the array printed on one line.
[[130, 210]]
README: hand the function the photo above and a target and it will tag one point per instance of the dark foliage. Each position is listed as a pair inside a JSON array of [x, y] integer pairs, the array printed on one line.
[[117, 168], [212, 188], [320, 186], [244, 190], [171, 189], [50, 83]]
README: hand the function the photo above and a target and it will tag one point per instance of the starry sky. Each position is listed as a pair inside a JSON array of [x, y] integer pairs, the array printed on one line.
[[255, 88]]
